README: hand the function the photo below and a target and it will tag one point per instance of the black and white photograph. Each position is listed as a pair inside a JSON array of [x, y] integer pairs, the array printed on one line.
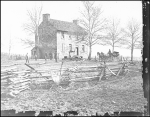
[[72, 58]]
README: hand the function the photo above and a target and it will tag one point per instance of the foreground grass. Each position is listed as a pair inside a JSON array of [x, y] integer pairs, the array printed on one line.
[[107, 96], [114, 94]]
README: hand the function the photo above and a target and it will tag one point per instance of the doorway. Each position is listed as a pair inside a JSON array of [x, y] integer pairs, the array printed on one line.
[[77, 51]]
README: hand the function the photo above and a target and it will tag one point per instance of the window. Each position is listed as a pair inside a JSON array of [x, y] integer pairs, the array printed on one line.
[[70, 47], [62, 34], [83, 48], [70, 37]]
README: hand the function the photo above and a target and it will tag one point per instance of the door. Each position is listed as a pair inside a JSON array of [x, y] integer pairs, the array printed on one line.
[[77, 51]]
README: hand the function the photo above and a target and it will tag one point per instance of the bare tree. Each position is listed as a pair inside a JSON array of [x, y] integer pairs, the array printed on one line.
[[28, 42], [113, 34], [92, 24], [10, 45], [132, 36], [34, 16]]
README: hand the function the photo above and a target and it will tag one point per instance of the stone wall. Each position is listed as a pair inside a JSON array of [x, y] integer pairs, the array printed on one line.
[[47, 39]]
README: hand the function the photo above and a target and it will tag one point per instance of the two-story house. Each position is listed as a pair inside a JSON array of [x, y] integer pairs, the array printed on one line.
[[59, 37]]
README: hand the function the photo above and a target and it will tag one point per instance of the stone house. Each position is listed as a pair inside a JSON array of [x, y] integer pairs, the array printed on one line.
[[59, 37]]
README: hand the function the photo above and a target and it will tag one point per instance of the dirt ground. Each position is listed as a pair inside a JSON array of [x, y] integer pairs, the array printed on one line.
[[122, 93]]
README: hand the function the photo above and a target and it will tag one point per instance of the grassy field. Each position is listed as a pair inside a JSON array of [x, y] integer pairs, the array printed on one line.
[[122, 93]]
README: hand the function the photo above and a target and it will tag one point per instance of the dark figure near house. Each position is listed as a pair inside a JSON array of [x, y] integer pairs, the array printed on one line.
[[55, 56], [69, 54], [110, 55], [102, 56], [99, 56], [35, 57], [27, 58], [45, 56], [50, 56]]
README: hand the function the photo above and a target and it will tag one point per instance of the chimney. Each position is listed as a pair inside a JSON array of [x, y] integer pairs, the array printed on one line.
[[46, 17], [75, 22]]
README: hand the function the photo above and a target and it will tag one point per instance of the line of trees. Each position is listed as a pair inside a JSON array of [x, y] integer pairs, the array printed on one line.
[[92, 23], [130, 37], [99, 30], [113, 34]]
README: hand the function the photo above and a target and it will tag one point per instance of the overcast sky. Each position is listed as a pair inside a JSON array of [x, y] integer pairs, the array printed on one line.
[[14, 15]]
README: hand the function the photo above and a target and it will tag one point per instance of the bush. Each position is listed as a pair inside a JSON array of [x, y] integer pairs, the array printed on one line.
[[5, 56]]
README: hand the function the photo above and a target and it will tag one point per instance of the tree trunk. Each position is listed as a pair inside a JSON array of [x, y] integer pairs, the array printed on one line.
[[112, 58], [132, 49], [113, 48], [90, 52], [36, 40], [9, 51], [9, 47], [132, 54]]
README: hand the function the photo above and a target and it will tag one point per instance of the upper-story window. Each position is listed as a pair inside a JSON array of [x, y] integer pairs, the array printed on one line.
[[62, 35], [83, 48], [70, 37]]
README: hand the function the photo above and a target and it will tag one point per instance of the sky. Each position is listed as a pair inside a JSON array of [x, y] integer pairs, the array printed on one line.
[[14, 16]]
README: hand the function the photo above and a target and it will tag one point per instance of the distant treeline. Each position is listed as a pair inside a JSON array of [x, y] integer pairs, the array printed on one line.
[[12, 56]]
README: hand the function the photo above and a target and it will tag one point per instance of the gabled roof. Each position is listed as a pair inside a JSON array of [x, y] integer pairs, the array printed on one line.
[[34, 48], [67, 26], [43, 48]]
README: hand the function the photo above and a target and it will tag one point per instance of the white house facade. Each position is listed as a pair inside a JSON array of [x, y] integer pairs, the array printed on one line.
[[66, 43]]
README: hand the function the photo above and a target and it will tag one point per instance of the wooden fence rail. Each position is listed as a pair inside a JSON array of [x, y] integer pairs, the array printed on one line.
[[13, 82]]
